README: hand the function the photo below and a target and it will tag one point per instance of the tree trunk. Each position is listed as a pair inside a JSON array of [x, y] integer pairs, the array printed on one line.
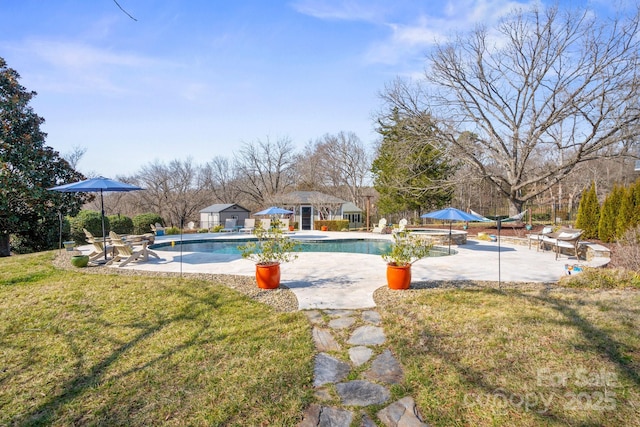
[[5, 249], [515, 206]]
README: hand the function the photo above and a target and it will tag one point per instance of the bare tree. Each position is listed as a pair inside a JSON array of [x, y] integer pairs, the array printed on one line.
[[74, 156], [345, 163], [525, 103], [220, 179], [266, 169]]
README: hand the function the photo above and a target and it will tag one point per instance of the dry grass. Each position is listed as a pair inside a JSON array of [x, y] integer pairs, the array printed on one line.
[[525, 355], [80, 349]]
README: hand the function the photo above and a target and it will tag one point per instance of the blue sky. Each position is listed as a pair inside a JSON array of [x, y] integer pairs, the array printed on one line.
[[198, 78]]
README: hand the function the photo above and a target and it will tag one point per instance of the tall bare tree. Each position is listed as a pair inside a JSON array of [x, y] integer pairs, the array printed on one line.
[[337, 164], [220, 179], [266, 169], [526, 102]]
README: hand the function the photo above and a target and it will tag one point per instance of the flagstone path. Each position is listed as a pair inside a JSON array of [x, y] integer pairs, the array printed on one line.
[[344, 387]]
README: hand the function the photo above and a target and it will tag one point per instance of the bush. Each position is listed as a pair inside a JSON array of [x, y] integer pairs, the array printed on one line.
[[92, 221], [628, 250], [142, 223], [601, 278], [172, 230], [541, 217], [332, 225], [121, 224]]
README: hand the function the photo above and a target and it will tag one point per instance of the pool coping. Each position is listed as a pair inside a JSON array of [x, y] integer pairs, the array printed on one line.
[[322, 280]]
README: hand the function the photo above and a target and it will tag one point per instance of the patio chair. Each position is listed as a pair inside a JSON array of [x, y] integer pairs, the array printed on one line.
[[538, 237], [124, 251], [229, 225], [382, 224], [157, 229], [97, 252], [402, 225], [265, 223], [284, 225], [567, 239], [249, 225]]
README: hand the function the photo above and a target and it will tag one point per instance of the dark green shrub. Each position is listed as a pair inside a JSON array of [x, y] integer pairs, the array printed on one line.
[[607, 227], [121, 224], [142, 223], [588, 216], [89, 220]]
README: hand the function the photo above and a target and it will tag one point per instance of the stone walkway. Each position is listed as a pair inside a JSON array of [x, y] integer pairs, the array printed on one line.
[[345, 387]]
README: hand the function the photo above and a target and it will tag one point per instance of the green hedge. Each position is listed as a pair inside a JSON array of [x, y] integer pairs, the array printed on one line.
[[92, 221], [121, 224], [142, 223], [332, 225]]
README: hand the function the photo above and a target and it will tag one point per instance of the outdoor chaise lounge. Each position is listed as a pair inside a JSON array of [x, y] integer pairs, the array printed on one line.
[[265, 223], [229, 225], [249, 225]]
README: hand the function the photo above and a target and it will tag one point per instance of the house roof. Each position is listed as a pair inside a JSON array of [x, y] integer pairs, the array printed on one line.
[[304, 197], [350, 207], [221, 207]]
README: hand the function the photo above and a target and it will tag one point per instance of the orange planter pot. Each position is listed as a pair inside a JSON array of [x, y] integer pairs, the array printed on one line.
[[324, 228], [398, 277], [268, 276]]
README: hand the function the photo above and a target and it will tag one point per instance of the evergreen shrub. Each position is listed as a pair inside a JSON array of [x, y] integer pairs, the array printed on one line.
[[142, 223]]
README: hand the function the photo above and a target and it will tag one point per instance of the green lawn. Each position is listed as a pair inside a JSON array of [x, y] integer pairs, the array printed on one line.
[[491, 357], [80, 349]]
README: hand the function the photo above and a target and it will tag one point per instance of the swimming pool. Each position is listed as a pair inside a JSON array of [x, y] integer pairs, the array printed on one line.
[[230, 247]]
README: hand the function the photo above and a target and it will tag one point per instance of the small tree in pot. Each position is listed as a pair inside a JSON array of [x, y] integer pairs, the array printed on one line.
[[405, 250], [270, 250]]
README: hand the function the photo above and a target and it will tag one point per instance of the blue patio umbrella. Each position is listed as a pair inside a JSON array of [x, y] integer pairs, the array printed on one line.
[[451, 214], [274, 210], [96, 185]]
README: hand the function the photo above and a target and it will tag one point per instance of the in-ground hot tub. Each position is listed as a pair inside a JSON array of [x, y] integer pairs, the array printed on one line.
[[440, 236]]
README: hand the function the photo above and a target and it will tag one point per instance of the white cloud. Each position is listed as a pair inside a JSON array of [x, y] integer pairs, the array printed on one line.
[[75, 67], [413, 37], [349, 10]]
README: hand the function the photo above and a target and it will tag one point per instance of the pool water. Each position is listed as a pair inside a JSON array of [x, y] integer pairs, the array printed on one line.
[[230, 247]]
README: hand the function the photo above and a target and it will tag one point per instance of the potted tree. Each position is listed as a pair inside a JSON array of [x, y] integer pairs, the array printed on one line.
[[270, 250], [405, 250]]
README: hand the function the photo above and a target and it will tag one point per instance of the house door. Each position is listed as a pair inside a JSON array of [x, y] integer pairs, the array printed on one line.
[[305, 217]]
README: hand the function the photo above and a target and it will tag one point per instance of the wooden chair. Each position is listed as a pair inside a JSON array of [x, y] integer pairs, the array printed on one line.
[[382, 224], [124, 251]]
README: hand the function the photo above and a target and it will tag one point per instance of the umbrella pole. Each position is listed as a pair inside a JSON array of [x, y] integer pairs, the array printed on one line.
[[499, 224], [104, 237], [450, 222]]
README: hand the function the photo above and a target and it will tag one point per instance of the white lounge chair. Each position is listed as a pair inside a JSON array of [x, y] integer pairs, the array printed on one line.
[[265, 223], [229, 225], [249, 225]]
